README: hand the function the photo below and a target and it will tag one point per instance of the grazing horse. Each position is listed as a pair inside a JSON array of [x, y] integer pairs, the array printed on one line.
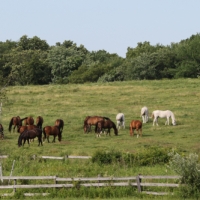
[[30, 134], [136, 124], [163, 114], [105, 124], [51, 130], [16, 121], [91, 121], [39, 122], [29, 121], [120, 120], [60, 124], [145, 114], [1, 132], [21, 129]]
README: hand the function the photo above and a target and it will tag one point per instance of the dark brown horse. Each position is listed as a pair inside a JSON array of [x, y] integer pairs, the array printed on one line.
[[30, 134], [51, 130], [15, 121], [102, 125], [1, 132], [29, 121], [136, 124], [39, 122], [60, 124], [91, 121]]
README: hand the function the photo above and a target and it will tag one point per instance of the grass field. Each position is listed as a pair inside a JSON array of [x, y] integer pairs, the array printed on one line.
[[73, 103]]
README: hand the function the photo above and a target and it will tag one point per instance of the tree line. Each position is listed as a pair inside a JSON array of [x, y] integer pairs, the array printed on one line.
[[32, 61]]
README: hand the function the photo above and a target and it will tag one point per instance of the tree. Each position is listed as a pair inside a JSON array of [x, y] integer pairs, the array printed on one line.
[[63, 61]]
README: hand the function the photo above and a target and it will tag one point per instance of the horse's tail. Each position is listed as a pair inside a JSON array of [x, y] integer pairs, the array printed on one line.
[[106, 118], [10, 125], [20, 140], [152, 115]]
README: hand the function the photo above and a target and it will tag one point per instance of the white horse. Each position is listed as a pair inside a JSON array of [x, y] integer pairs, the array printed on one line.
[[162, 114], [145, 114], [120, 120]]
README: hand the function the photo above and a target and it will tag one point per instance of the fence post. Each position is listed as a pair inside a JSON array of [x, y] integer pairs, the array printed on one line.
[[14, 188], [138, 180], [55, 180]]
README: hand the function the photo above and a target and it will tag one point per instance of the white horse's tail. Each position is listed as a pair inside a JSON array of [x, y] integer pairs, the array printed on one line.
[[152, 115]]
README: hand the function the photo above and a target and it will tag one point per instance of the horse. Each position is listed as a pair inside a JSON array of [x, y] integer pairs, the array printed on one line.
[[29, 121], [39, 122], [21, 129], [105, 124], [136, 124], [16, 121], [91, 121], [1, 132], [163, 114], [60, 124], [120, 120], [51, 130], [30, 134], [145, 114]]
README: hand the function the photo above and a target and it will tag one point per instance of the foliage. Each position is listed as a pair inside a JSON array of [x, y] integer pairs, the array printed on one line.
[[146, 157], [189, 169]]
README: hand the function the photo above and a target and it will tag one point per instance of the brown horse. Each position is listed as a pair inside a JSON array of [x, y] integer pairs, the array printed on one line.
[[60, 124], [29, 121], [105, 124], [136, 124], [1, 132], [30, 134], [21, 129], [39, 122], [51, 130], [15, 121], [91, 121]]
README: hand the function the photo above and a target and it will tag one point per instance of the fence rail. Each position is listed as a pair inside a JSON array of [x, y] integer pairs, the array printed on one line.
[[135, 181]]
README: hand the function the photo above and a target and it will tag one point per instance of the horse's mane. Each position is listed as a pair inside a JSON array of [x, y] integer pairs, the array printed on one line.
[[106, 118]]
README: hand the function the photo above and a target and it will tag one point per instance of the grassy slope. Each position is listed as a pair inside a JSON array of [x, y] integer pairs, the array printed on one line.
[[73, 103]]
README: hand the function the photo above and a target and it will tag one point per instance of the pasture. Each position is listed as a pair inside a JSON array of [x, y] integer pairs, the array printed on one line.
[[73, 103]]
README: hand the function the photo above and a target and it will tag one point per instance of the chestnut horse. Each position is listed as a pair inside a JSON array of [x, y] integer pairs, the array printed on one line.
[[136, 124], [51, 130], [30, 134], [39, 122], [29, 121], [1, 132], [15, 121], [60, 124], [105, 124], [21, 129], [91, 121]]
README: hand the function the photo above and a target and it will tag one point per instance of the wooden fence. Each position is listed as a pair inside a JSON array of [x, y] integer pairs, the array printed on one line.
[[139, 181]]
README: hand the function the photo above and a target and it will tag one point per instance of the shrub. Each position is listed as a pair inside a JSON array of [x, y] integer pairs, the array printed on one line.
[[189, 170]]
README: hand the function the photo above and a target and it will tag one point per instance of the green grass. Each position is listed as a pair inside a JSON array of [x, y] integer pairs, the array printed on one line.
[[73, 103]]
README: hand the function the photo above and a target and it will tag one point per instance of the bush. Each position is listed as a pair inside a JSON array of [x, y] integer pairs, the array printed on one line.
[[189, 170], [147, 156]]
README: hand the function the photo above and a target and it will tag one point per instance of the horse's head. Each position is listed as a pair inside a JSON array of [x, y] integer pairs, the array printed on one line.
[[59, 137], [116, 131], [174, 123]]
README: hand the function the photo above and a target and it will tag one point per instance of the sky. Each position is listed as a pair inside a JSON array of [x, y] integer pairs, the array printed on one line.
[[110, 25]]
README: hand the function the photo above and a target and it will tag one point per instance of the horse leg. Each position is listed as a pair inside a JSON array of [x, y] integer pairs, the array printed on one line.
[[54, 139]]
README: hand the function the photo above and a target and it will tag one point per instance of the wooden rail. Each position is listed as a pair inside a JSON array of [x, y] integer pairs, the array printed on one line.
[[135, 181]]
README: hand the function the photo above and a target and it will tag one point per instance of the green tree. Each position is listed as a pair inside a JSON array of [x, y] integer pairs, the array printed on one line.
[[63, 61]]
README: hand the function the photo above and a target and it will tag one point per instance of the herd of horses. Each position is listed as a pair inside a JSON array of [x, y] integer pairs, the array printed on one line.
[[28, 130], [104, 124]]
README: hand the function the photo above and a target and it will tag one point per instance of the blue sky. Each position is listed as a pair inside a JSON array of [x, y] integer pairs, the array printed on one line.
[[110, 25]]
